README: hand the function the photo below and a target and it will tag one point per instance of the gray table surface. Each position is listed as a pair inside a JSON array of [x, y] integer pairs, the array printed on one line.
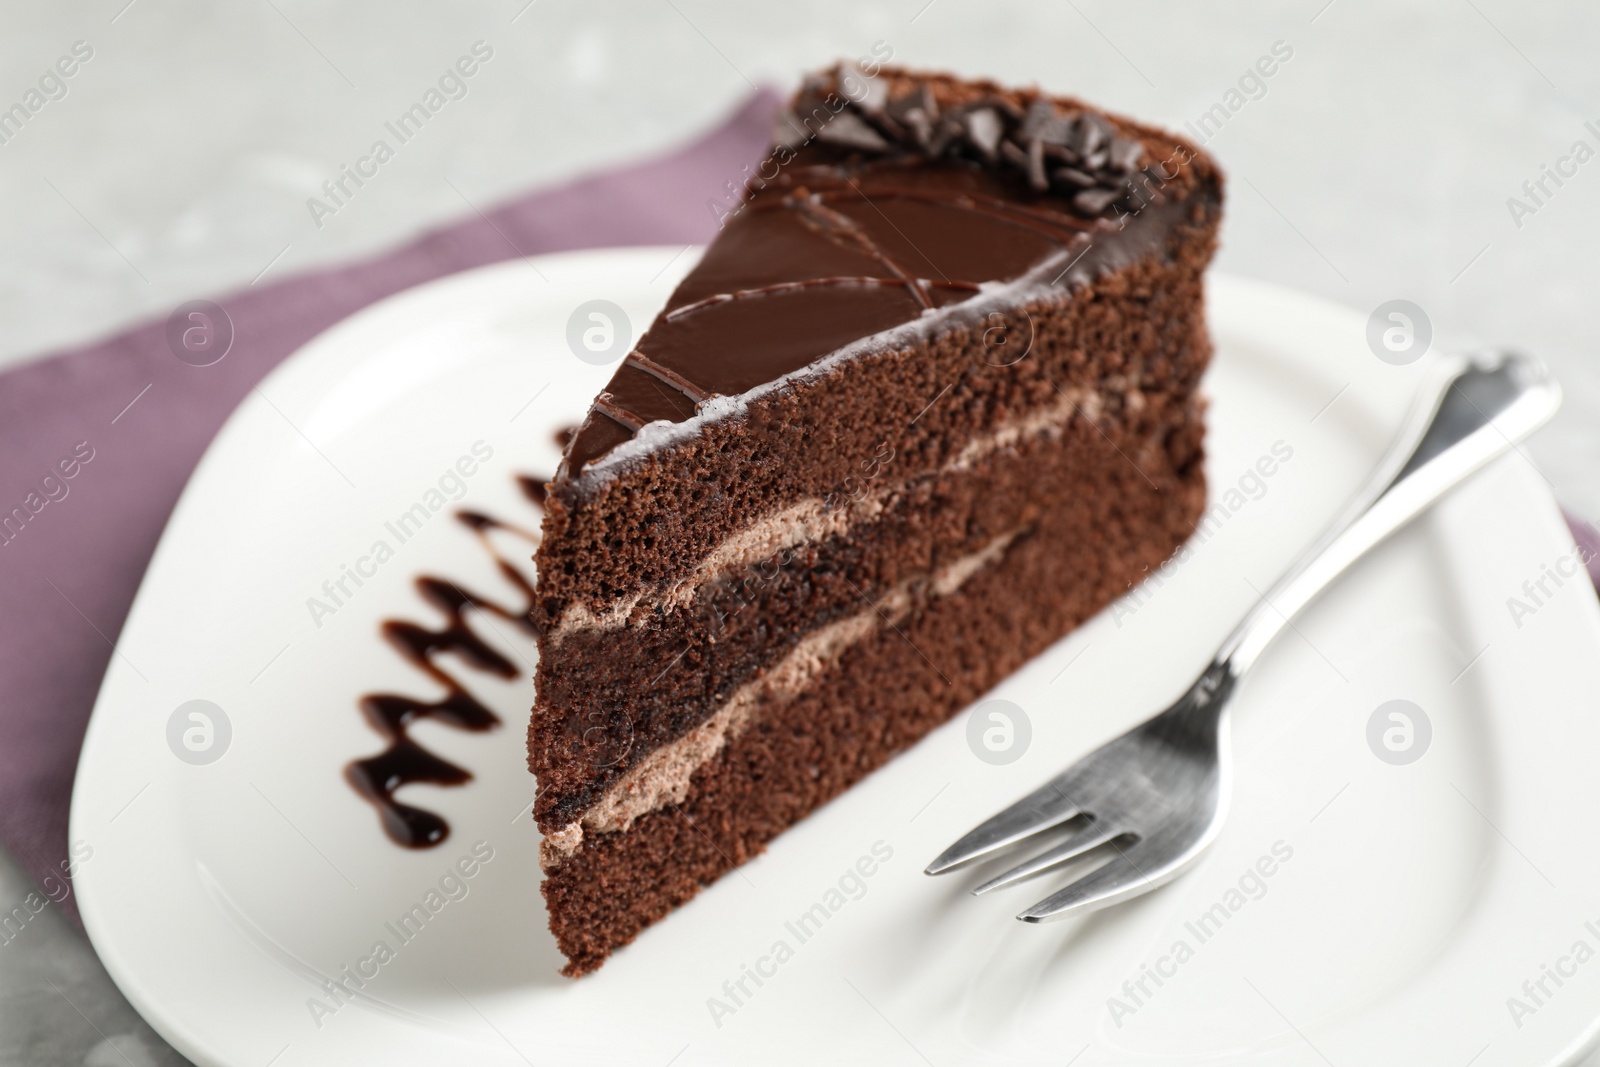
[[1377, 163]]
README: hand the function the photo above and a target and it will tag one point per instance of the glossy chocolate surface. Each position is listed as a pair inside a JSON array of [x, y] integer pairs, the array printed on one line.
[[884, 216]]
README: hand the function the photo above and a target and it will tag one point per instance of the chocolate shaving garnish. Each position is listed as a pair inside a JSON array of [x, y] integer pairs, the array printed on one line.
[[984, 131], [1089, 133], [1126, 154], [1004, 105], [1036, 175], [891, 129], [920, 125], [872, 94], [1073, 178], [1094, 202], [948, 132], [1043, 123], [789, 131], [919, 99], [1051, 147], [917, 113], [849, 130], [1074, 152]]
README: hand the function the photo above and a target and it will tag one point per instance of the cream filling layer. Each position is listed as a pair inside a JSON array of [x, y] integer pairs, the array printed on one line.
[[812, 520], [806, 521], [663, 777]]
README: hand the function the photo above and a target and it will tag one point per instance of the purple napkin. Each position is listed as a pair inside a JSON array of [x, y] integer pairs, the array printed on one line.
[[97, 443], [1587, 540]]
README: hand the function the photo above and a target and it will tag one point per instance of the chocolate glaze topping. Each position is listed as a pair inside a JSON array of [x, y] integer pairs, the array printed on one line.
[[895, 201], [405, 762]]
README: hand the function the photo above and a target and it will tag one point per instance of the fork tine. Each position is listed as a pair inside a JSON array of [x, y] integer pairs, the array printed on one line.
[[1130, 873], [1041, 809], [1089, 837]]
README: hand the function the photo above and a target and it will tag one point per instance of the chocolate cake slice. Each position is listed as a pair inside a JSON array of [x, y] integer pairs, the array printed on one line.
[[927, 403]]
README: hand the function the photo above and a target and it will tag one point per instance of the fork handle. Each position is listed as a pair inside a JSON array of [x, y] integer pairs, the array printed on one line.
[[1470, 411]]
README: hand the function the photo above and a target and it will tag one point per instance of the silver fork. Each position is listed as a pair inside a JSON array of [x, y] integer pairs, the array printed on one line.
[[1158, 794]]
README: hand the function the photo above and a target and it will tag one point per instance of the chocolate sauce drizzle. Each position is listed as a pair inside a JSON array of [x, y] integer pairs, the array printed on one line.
[[404, 762]]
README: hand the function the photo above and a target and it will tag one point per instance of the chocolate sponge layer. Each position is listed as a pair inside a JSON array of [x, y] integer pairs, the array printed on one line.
[[884, 694], [1016, 442], [1123, 359]]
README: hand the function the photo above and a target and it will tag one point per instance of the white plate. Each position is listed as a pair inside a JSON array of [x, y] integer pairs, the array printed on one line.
[[1415, 899]]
